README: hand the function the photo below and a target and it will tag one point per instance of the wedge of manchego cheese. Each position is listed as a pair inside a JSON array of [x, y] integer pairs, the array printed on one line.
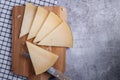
[[29, 14], [61, 36], [49, 25], [39, 19], [41, 59]]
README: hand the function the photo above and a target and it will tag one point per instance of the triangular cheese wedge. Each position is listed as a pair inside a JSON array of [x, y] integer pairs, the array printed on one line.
[[41, 59], [50, 24], [29, 13], [61, 36], [39, 19]]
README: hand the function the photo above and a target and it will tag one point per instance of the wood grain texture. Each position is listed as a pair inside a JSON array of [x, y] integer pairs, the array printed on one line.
[[20, 64]]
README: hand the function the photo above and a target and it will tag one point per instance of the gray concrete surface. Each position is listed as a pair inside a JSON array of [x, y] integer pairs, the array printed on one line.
[[96, 30]]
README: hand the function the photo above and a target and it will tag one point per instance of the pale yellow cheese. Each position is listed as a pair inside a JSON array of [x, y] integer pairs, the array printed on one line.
[[61, 36], [41, 59], [50, 24], [29, 13], [39, 19]]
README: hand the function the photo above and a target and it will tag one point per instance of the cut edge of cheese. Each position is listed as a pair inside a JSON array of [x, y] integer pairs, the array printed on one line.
[[41, 59], [61, 36], [29, 13], [39, 19], [50, 24]]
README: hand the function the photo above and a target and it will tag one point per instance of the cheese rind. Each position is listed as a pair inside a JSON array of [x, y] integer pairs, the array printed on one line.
[[61, 36], [50, 24], [39, 19], [29, 13], [41, 59]]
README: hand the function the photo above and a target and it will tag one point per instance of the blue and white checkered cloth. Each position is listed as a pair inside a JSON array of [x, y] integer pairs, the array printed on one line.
[[5, 35]]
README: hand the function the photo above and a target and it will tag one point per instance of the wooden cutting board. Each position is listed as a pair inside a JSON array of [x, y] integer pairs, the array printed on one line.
[[20, 64]]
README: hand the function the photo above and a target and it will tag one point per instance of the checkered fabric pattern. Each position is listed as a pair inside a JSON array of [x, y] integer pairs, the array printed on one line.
[[5, 35]]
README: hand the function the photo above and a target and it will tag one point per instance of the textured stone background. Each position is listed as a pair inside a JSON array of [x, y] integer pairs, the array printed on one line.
[[96, 30]]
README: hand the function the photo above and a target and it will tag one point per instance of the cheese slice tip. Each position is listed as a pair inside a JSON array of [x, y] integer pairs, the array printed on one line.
[[41, 59], [29, 13], [61, 36], [39, 19], [50, 24]]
